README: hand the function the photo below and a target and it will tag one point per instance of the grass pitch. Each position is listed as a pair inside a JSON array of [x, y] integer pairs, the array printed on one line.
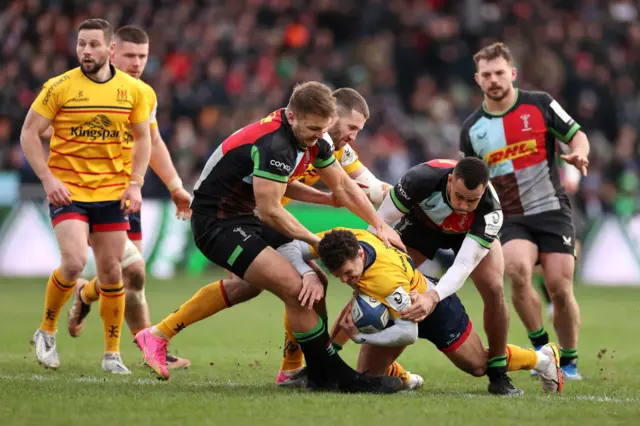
[[235, 356]]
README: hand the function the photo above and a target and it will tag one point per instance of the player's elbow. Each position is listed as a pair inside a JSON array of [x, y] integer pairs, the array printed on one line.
[[267, 212], [410, 337]]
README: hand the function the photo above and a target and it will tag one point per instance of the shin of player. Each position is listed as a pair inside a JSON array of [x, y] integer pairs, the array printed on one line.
[[130, 55], [87, 188], [259, 161], [538, 224]]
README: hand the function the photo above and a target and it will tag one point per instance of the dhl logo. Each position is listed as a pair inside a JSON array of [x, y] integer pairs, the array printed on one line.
[[511, 152]]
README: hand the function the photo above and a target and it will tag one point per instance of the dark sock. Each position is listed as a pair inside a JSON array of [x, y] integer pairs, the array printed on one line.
[[324, 364], [497, 366], [567, 356], [538, 337]]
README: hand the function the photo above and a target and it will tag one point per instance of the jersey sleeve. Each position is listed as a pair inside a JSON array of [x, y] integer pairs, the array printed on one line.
[[559, 123], [488, 219], [416, 185], [140, 108], [324, 157], [152, 100], [271, 163], [51, 97], [349, 159]]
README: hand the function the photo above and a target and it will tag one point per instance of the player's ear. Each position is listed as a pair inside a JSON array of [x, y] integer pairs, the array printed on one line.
[[476, 77], [514, 74], [290, 116]]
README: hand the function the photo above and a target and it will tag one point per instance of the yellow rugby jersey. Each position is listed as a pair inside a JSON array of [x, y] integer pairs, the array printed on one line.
[[152, 104], [345, 156], [389, 273], [91, 125]]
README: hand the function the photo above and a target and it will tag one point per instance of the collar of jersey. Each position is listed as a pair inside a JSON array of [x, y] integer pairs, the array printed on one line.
[[501, 114], [370, 254], [113, 74]]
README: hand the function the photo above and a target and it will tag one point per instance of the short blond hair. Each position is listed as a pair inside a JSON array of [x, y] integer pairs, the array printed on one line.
[[312, 98], [349, 99], [493, 51]]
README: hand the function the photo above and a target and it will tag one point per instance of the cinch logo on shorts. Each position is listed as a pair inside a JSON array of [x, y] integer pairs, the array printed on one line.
[[511, 152], [281, 165]]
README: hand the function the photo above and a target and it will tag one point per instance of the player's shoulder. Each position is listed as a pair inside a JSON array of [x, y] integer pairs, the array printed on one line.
[[433, 169], [123, 78], [64, 79], [490, 200], [472, 119], [147, 89], [535, 97]]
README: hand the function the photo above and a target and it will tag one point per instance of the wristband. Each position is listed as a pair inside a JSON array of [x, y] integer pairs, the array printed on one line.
[[175, 183], [137, 178]]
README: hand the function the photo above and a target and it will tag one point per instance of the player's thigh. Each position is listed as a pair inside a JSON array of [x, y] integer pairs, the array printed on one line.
[[470, 356], [448, 326], [238, 247], [488, 276], [418, 239], [71, 228], [108, 234], [519, 249], [375, 360]]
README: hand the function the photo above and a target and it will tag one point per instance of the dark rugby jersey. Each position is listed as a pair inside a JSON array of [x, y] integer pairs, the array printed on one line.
[[267, 149], [519, 147], [422, 195]]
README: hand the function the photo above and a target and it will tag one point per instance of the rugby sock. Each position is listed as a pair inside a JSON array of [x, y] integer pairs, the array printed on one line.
[[567, 356], [520, 359], [497, 366], [292, 356], [207, 301], [90, 292], [538, 337], [58, 292], [395, 370], [112, 314]]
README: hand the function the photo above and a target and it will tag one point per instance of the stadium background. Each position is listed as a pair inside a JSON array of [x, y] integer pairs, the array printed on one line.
[[218, 65]]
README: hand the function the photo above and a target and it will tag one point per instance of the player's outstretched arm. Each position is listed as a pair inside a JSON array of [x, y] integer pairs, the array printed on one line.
[[161, 164], [34, 125], [401, 333], [299, 191], [349, 194], [268, 194]]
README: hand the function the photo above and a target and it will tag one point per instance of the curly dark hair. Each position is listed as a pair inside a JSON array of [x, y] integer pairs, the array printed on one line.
[[336, 247]]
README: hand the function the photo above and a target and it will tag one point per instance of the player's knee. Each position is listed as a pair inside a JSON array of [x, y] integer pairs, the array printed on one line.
[[72, 265], [518, 271], [109, 270], [477, 370], [491, 287], [561, 293], [135, 276], [239, 291]]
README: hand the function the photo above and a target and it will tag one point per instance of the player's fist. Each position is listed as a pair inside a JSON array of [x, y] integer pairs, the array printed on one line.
[[578, 161], [422, 304], [131, 199], [182, 199], [347, 325], [57, 193]]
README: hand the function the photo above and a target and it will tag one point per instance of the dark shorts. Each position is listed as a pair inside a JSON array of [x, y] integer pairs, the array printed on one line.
[[103, 216], [135, 224], [448, 326], [233, 244], [426, 240], [552, 231]]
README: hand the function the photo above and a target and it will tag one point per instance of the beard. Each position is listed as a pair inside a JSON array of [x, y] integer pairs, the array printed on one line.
[[500, 95], [93, 66]]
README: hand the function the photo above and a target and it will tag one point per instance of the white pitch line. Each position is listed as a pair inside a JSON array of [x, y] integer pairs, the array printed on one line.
[[153, 382]]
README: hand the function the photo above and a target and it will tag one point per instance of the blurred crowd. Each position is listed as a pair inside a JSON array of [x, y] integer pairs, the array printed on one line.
[[218, 65]]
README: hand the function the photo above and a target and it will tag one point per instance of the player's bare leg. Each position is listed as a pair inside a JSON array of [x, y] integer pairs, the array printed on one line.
[[108, 248], [488, 278], [71, 236], [472, 356], [559, 269], [520, 257]]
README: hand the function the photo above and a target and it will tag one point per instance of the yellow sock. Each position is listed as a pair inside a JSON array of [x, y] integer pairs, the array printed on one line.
[[292, 356], [112, 313], [59, 291], [520, 359], [206, 302], [397, 370], [90, 292]]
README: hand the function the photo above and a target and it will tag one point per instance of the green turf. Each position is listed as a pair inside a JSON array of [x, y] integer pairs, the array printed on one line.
[[235, 356]]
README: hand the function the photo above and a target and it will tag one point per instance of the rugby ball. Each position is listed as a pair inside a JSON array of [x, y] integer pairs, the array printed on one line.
[[369, 315]]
